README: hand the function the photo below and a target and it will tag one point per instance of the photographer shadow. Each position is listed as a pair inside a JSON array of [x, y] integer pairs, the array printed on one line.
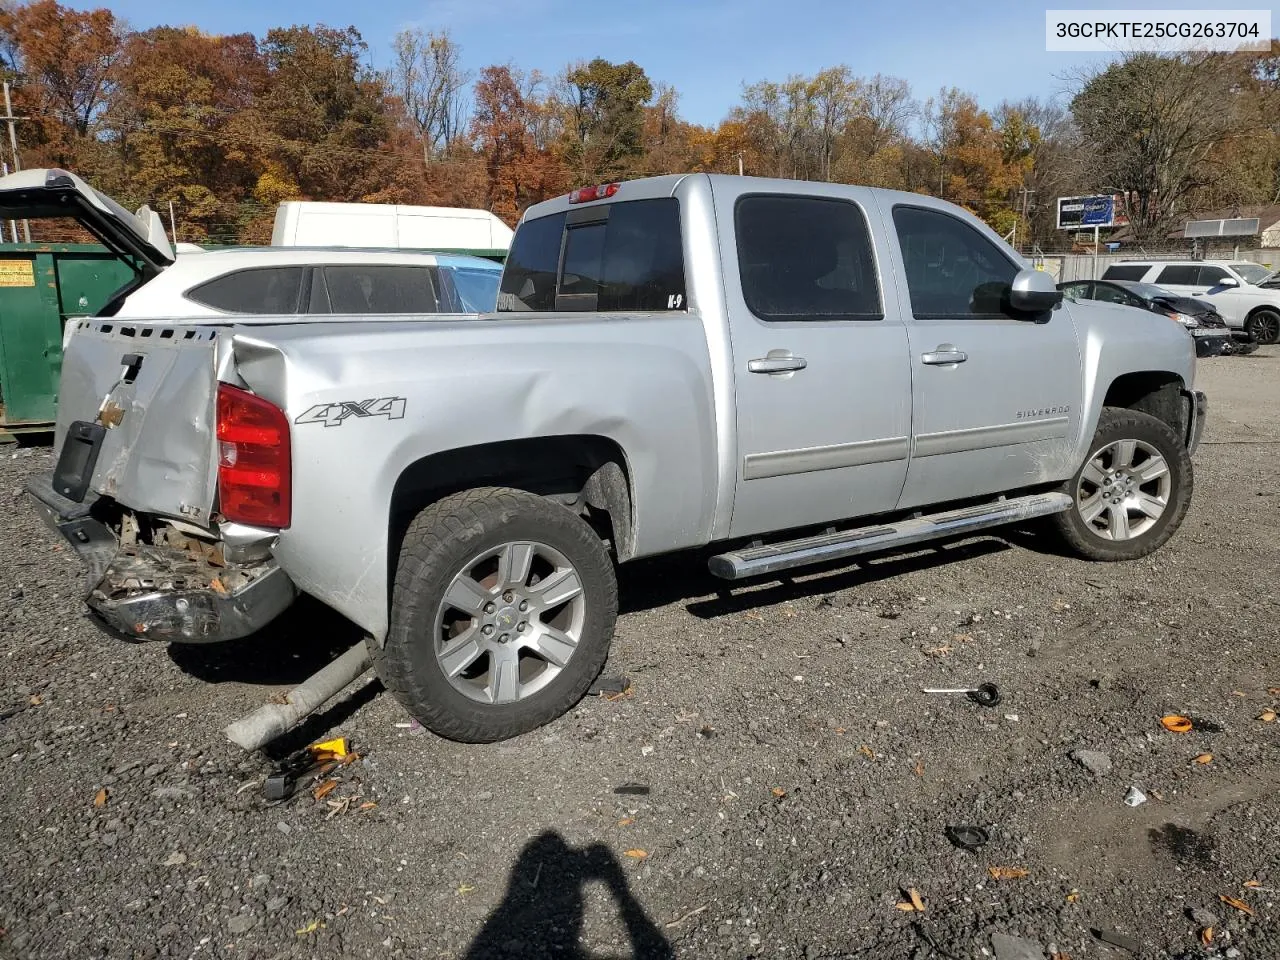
[[542, 912]]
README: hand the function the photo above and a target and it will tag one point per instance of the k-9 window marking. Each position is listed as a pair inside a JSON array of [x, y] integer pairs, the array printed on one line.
[[336, 414]]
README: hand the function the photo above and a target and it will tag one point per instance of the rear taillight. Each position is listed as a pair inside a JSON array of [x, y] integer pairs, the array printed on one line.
[[601, 192], [255, 482]]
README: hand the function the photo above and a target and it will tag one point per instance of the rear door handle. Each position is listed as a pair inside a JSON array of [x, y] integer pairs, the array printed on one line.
[[777, 364], [945, 354]]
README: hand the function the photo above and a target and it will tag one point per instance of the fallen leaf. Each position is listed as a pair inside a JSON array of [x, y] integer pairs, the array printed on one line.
[[36, 700], [1206, 936], [943, 651], [1238, 904], [324, 789], [1061, 605], [779, 792], [1007, 873], [905, 907], [1267, 716], [464, 889], [916, 901], [962, 637], [1073, 896], [1204, 758], [919, 768], [1061, 956], [1252, 883], [368, 805], [1274, 691], [840, 731], [1238, 693], [101, 799], [1158, 795], [311, 927], [867, 752], [1176, 724], [626, 821], [636, 854]]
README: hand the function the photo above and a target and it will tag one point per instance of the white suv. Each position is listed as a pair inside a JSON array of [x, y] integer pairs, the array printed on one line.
[[1232, 286]]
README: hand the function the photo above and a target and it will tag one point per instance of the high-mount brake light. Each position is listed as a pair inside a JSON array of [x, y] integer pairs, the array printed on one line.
[[255, 468], [601, 191]]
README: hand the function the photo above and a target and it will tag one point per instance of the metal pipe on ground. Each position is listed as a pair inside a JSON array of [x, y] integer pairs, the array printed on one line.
[[273, 720]]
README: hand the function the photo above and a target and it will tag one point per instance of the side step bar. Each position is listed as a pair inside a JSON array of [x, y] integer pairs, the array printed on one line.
[[754, 561]]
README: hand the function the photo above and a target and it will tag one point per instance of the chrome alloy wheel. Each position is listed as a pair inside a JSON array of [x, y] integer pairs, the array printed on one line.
[[1123, 490], [509, 622]]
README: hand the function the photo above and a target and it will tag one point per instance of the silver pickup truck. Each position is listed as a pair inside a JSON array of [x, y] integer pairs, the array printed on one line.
[[794, 372]]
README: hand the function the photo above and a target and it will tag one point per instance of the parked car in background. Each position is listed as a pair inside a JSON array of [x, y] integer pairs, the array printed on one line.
[[254, 281], [1212, 336], [305, 223], [1232, 286]]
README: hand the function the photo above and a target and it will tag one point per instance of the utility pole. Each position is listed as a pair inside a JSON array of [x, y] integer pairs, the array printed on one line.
[[13, 145], [173, 227], [1026, 193], [739, 163]]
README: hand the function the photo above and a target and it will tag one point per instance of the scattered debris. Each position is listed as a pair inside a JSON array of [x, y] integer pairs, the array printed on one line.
[[636, 854], [1202, 917], [1267, 716], [967, 837], [100, 800], [1015, 948], [328, 750], [605, 686], [626, 821], [1206, 936], [1175, 723], [1095, 761], [175, 859], [1120, 940], [1204, 758], [779, 792], [683, 917], [324, 789], [1237, 904], [1073, 896], [984, 694], [1134, 797], [464, 889], [632, 789], [916, 901], [311, 927], [1007, 873]]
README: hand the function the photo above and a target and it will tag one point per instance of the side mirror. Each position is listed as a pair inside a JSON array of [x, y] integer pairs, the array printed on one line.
[[1033, 291], [1228, 282]]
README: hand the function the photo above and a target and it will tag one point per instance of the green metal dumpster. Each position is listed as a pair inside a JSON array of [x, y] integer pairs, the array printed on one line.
[[42, 285]]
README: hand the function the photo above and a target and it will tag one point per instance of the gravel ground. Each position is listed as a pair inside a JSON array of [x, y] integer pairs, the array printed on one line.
[[799, 781]]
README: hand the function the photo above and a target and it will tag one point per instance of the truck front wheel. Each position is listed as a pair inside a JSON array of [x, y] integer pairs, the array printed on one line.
[[502, 613], [1132, 491]]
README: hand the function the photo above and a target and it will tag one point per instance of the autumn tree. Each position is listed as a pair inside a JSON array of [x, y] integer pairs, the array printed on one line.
[[503, 122], [605, 108], [1153, 126], [428, 78]]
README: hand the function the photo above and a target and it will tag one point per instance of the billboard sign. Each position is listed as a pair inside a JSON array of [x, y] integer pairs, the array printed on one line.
[[1077, 212]]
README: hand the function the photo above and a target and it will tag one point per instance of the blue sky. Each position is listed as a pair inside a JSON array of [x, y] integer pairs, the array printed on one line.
[[706, 49]]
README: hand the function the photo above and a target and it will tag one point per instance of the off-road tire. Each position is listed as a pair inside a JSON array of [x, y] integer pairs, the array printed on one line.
[[1268, 319], [436, 546], [1117, 423]]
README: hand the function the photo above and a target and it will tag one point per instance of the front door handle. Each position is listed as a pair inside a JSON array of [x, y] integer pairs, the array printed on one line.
[[943, 355], [777, 364]]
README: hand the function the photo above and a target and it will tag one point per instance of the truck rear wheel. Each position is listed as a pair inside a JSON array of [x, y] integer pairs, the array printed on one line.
[[502, 613], [1132, 491]]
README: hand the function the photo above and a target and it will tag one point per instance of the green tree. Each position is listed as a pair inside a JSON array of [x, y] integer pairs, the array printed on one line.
[[606, 112]]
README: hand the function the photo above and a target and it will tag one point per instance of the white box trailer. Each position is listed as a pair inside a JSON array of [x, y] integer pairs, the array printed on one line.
[[304, 223]]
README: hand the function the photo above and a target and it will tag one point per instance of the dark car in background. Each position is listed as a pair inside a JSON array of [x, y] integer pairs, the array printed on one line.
[[1210, 331]]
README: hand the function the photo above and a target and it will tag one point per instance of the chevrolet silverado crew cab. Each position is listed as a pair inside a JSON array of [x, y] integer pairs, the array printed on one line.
[[795, 373]]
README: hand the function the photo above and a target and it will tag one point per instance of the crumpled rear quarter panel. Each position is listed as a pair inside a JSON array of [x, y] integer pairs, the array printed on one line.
[[642, 381]]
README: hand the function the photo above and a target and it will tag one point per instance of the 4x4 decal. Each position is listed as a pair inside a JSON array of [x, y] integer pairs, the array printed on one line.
[[336, 414]]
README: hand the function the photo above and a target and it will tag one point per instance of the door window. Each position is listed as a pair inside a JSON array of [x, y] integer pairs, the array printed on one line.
[[952, 270], [1179, 275], [1212, 276], [367, 288], [806, 258]]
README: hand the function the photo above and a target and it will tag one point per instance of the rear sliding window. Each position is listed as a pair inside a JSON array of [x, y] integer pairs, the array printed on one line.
[[1120, 272], [257, 290], [618, 257]]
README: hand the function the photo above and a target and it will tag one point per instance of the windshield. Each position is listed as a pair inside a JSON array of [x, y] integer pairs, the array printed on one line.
[[1253, 273], [477, 289]]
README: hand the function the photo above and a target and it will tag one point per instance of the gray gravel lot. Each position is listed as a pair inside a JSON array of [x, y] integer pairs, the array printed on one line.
[[800, 783]]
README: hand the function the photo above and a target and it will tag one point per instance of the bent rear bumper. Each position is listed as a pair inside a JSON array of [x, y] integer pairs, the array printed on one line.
[[149, 592]]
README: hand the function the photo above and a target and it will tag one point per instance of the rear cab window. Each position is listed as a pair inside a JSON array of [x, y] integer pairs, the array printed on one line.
[[625, 256], [1122, 271], [256, 290]]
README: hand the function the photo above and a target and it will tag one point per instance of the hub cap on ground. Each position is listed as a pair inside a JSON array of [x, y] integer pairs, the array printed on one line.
[[509, 622], [1123, 490]]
